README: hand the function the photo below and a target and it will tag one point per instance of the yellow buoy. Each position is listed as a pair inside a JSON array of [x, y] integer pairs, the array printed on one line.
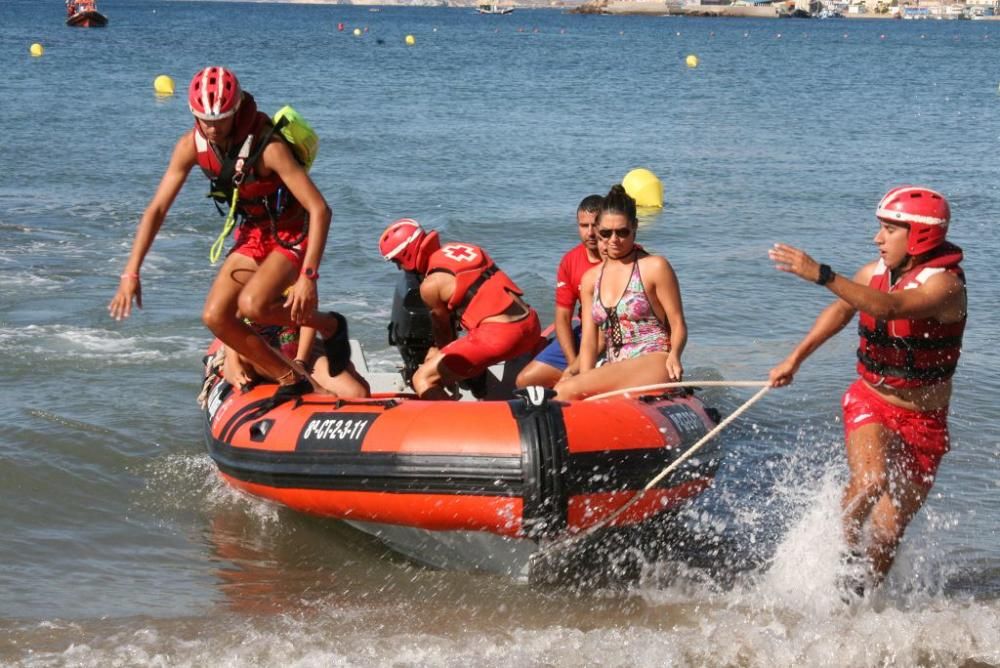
[[692, 60], [37, 50], [644, 187], [163, 85], [410, 40], [357, 32]]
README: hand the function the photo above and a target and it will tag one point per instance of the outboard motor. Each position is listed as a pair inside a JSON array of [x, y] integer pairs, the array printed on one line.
[[410, 330], [410, 324]]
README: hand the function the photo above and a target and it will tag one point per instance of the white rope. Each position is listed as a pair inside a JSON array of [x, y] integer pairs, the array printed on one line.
[[684, 383], [662, 474]]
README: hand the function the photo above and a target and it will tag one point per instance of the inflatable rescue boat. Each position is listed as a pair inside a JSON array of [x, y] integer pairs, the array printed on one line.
[[517, 465], [84, 14]]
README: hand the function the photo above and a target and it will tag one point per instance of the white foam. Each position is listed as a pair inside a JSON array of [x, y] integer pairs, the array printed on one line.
[[16, 283], [802, 575], [106, 346], [708, 635], [177, 479]]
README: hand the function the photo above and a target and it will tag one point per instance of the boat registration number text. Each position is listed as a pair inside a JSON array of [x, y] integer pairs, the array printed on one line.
[[689, 425], [335, 431]]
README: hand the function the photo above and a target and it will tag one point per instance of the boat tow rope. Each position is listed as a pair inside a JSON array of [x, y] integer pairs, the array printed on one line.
[[576, 538], [685, 383]]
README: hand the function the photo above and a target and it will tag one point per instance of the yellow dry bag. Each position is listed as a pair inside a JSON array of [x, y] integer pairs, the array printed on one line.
[[298, 133]]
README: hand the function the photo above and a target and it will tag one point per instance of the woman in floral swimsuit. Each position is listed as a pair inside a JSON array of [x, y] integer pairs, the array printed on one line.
[[634, 300]]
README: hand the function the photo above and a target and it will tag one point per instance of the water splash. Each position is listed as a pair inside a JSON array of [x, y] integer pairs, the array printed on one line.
[[803, 573], [191, 483]]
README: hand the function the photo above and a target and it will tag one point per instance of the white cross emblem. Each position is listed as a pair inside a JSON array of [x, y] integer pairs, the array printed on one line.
[[460, 252]]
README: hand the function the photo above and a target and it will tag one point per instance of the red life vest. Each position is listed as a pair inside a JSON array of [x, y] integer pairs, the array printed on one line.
[[910, 352], [481, 289], [258, 200]]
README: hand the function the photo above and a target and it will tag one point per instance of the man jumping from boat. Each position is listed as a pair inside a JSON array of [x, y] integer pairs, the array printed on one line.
[[559, 358], [913, 310], [284, 222], [460, 281]]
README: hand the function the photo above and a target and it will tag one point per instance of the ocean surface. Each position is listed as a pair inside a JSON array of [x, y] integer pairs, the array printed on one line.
[[120, 546]]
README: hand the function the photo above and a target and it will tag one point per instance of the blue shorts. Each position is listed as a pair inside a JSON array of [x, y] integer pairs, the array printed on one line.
[[553, 355]]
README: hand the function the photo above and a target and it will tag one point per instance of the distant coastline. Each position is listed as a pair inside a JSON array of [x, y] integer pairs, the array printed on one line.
[[598, 7], [456, 4], [674, 8]]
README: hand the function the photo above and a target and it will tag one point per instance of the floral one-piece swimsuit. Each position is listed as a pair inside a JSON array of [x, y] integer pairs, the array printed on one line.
[[631, 327]]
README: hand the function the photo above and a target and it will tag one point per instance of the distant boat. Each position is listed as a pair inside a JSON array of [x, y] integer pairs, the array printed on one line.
[[84, 14], [494, 9]]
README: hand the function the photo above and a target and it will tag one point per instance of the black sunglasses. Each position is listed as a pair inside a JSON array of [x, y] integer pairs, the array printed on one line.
[[620, 232]]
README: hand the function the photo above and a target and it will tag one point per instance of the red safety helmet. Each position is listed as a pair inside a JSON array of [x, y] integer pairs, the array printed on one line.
[[923, 210], [214, 94], [408, 244]]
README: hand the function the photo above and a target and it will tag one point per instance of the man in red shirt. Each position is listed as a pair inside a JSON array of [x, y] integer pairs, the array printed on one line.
[[559, 356]]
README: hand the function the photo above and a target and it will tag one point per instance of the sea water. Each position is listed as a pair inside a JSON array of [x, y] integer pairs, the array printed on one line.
[[120, 545]]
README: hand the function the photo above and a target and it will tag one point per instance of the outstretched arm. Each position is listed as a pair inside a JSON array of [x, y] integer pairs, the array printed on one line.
[[942, 297], [182, 160], [833, 319], [830, 321]]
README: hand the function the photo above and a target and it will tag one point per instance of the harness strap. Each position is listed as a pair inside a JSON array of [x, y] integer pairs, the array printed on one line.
[[474, 288], [941, 372], [231, 175], [235, 167], [881, 337], [251, 159], [241, 157]]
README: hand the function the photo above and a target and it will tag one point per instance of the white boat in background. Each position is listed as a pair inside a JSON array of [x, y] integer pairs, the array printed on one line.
[[494, 9]]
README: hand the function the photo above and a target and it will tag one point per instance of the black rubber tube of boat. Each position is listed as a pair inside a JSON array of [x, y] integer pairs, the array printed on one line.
[[544, 450]]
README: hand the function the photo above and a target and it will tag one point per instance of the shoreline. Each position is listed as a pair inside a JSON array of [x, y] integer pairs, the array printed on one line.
[[596, 7], [663, 8]]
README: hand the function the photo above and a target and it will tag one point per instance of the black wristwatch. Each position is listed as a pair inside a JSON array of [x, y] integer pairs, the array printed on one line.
[[825, 274]]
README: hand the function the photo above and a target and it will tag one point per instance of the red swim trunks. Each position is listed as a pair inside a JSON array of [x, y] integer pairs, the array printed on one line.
[[257, 242], [490, 343], [924, 433]]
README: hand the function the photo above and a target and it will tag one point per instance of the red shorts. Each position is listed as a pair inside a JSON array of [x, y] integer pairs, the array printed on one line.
[[924, 433], [257, 242], [490, 343]]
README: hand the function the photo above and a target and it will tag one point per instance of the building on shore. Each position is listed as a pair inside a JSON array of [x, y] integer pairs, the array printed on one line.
[[888, 9]]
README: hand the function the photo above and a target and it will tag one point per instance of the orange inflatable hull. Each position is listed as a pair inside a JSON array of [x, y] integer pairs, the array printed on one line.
[[518, 468]]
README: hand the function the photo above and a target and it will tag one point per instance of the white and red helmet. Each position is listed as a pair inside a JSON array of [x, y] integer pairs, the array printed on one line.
[[923, 210], [214, 94], [408, 244]]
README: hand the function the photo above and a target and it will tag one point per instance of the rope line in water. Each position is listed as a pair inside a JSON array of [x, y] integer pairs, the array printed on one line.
[[682, 383], [764, 387]]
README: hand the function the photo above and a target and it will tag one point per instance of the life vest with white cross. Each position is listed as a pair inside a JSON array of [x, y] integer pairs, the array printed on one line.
[[481, 288]]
